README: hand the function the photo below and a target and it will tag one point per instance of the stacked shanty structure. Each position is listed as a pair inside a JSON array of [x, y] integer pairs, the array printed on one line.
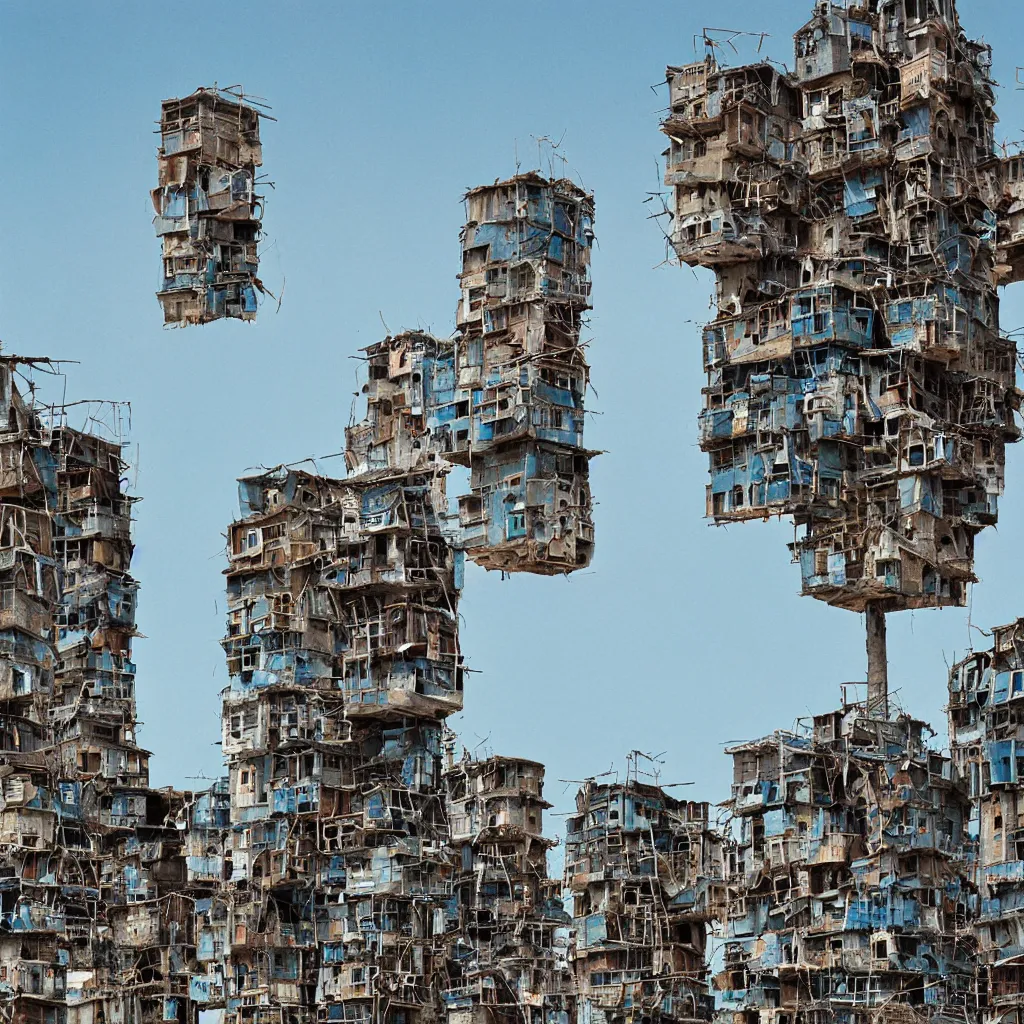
[[208, 213], [93, 711], [337, 873], [1009, 267], [512, 406], [848, 887], [646, 873], [858, 220], [40, 812], [325, 877], [89, 857], [856, 376], [349, 868], [986, 731], [344, 659], [508, 960]]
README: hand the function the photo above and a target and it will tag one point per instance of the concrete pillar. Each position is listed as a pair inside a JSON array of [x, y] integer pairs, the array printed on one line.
[[878, 666]]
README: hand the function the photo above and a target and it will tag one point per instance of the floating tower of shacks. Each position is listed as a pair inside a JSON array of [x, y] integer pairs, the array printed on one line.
[[207, 212], [856, 377], [515, 409]]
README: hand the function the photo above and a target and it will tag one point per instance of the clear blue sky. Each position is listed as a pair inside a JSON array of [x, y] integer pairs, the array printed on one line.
[[681, 636]]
